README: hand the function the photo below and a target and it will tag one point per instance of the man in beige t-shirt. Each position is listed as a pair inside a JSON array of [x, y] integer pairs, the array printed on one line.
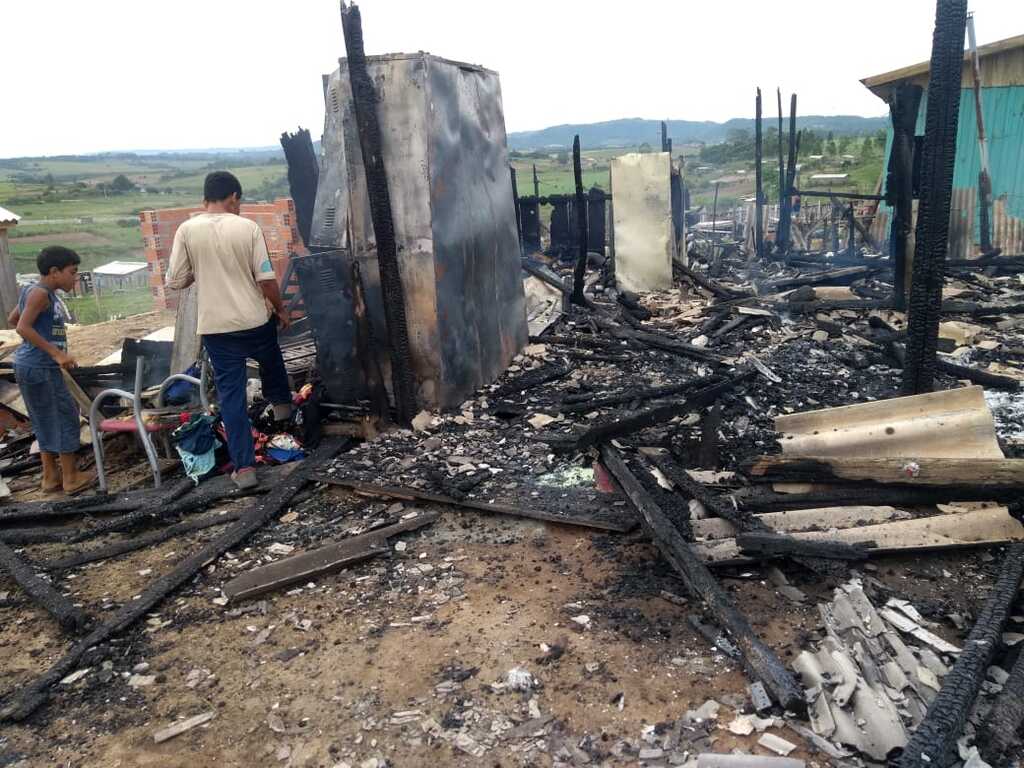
[[240, 308]]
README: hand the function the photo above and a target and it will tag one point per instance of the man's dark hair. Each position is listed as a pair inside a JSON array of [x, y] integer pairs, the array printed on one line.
[[220, 185], [55, 256]]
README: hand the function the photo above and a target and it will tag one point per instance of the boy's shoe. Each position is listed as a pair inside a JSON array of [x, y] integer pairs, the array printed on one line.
[[246, 478], [78, 482]]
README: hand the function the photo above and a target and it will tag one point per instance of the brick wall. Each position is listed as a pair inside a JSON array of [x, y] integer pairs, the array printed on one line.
[[276, 219]]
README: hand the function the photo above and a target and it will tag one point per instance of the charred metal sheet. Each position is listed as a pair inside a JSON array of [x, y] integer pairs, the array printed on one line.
[[443, 140]]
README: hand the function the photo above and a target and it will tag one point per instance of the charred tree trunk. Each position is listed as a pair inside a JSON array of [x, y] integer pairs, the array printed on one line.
[[364, 98], [581, 226], [936, 192]]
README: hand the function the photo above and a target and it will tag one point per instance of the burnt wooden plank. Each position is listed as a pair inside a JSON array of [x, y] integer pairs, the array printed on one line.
[[301, 568], [43, 594], [604, 522], [998, 473]]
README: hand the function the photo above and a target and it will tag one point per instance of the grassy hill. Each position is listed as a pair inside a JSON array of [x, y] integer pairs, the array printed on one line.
[[633, 132]]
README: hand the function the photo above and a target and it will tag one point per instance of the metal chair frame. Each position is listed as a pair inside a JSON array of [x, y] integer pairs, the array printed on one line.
[[135, 397]]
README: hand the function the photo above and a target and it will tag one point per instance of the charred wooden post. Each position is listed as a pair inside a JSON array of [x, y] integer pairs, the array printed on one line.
[[536, 182], [29, 698], [529, 210], [43, 594], [899, 185], [519, 213], [933, 744], [759, 661], [665, 146], [782, 166], [984, 179], [786, 211], [710, 423], [303, 177], [364, 100], [851, 233], [596, 229], [366, 346], [758, 181], [932, 234], [580, 272], [562, 240]]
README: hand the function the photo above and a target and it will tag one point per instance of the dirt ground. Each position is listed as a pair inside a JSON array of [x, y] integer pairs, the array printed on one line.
[[91, 343], [315, 676]]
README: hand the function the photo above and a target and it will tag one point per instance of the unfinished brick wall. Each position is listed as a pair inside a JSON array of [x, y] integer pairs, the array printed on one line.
[[276, 219]]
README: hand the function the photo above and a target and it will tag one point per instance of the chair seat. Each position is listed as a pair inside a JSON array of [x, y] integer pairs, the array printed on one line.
[[129, 425]]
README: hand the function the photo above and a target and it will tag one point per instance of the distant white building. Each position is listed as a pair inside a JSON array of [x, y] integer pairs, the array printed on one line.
[[120, 275]]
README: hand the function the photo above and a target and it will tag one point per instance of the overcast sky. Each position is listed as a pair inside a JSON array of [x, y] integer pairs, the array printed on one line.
[[123, 74]]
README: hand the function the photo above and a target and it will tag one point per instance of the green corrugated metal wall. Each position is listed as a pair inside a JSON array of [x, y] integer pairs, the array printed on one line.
[[1003, 112]]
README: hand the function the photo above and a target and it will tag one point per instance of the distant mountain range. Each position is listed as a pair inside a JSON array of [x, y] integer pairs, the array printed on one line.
[[631, 132]]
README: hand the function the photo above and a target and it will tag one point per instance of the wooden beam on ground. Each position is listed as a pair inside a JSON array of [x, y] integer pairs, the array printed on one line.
[[630, 422], [988, 527], [618, 524], [43, 594], [305, 566], [759, 661], [768, 545], [141, 542], [30, 697], [987, 473]]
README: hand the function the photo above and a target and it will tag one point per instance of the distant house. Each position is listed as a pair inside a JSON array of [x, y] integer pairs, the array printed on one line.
[[1002, 107], [8, 280], [120, 275]]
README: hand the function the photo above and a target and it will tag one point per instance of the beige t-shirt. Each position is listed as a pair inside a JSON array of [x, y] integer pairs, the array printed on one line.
[[226, 256]]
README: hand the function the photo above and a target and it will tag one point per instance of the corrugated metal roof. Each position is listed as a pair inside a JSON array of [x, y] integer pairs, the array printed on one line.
[[8, 217], [921, 68], [120, 268]]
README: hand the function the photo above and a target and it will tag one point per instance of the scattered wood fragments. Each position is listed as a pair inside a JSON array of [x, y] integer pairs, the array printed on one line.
[[182, 726]]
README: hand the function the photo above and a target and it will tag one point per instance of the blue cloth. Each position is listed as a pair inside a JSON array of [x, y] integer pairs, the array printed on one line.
[[196, 435], [228, 353], [51, 409], [180, 392], [51, 324], [197, 465]]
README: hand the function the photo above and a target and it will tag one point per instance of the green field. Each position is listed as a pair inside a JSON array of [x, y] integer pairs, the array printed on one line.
[[110, 306], [67, 201]]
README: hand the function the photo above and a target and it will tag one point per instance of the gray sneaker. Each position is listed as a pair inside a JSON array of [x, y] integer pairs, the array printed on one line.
[[246, 479]]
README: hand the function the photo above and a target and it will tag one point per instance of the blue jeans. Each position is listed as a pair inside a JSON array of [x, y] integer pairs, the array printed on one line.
[[53, 412], [228, 354]]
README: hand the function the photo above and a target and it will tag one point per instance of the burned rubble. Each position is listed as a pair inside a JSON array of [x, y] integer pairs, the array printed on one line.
[[729, 499]]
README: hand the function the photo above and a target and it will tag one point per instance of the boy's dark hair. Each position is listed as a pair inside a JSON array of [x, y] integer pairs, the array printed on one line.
[[220, 185], [55, 256]]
